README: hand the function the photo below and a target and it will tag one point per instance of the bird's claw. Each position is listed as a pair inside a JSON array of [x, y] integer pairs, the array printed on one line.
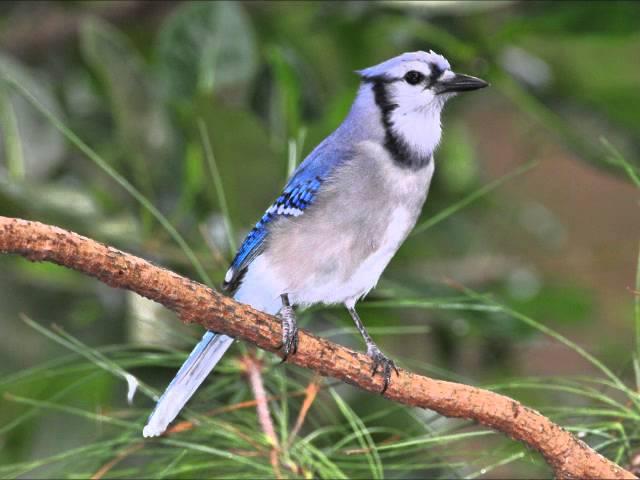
[[382, 362], [289, 332]]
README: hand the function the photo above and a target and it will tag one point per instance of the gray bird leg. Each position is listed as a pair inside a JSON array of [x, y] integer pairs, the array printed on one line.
[[289, 327], [379, 359]]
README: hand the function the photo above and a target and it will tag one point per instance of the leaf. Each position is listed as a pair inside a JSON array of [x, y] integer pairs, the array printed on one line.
[[141, 120], [100, 162], [206, 46], [287, 102], [31, 145], [70, 200]]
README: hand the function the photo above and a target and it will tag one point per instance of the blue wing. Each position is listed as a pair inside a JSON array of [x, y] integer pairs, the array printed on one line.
[[298, 194], [296, 197]]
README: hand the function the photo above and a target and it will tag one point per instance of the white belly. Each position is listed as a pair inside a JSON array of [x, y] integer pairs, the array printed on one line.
[[336, 250], [329, 289], [262, 286]]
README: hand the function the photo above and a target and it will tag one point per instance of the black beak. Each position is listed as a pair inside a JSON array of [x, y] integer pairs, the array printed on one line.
[[460, 83]]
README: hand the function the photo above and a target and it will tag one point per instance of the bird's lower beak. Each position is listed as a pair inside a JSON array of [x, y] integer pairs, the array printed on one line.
[[460, 83]]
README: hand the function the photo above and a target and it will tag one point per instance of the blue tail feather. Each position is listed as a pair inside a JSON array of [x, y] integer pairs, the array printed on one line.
[[204, 357]]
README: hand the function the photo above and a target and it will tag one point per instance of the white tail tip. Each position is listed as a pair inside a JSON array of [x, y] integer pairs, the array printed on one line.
[[149, 431]]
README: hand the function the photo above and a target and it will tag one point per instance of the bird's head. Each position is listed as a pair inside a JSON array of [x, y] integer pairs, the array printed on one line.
[[419, 80], [410, 91]]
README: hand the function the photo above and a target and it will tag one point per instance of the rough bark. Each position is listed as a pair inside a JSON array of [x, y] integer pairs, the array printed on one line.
[[568, 456]]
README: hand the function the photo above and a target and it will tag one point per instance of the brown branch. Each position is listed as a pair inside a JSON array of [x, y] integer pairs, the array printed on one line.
[[186, 425], [193, 302], [106, 468], [311, 393], [253, 370]]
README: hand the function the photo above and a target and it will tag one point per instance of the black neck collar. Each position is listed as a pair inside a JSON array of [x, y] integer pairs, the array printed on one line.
[[397, 147]]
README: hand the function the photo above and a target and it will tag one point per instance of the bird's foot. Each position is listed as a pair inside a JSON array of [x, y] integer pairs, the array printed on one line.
[[289, 331], [383, 363]]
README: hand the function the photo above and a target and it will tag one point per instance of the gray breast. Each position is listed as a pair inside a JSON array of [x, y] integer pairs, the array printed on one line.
[[347, 222]]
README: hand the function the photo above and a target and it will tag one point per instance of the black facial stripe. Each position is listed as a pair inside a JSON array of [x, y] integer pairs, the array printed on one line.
[[434, 69], [395, 145], [436, 72]]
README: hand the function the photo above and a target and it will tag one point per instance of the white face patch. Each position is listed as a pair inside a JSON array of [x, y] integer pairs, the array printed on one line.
[[416, 119], [405, 90]]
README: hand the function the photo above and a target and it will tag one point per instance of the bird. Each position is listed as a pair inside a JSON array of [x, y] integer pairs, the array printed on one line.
[[341, 217]]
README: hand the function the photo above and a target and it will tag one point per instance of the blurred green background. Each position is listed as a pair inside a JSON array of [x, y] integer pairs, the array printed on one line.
[[203, 109]]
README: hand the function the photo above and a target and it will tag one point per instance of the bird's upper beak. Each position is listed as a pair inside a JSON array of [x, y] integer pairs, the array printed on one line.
[[459, 83]]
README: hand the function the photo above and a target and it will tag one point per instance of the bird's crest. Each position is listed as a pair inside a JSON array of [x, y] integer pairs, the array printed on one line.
[[396, 67]]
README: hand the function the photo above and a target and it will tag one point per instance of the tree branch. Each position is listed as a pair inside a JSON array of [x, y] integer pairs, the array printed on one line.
[[196, 303]]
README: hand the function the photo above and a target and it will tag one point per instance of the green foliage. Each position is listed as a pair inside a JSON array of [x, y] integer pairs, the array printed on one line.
[[169, 137], [206, 46]]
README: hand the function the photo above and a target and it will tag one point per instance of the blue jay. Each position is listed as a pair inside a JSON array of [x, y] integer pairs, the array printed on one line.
[[342, 215]]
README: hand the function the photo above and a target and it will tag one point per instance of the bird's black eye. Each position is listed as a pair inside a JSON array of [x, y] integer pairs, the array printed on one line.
[[413, 77]]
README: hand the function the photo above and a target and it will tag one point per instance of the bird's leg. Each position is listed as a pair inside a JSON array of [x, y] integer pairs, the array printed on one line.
[[289, 327], [380, 360]]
